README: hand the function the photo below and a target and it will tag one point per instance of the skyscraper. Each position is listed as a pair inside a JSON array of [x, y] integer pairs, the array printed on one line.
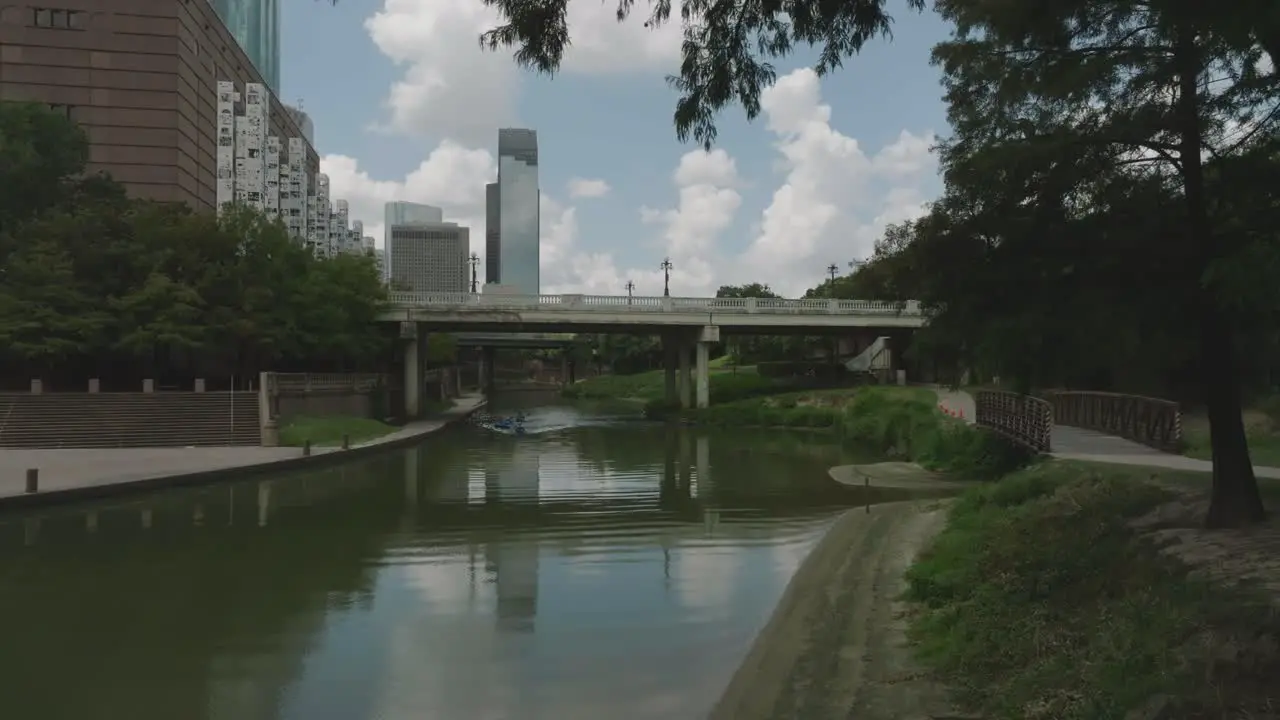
[[429, 257], [255, 24], [492, 235], [518, 213], [404, 213]]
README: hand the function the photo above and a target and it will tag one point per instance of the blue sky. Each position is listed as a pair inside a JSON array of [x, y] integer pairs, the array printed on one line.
[[407, 106]]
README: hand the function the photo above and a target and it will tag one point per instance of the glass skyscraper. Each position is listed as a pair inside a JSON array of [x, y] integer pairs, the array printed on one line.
[[255, 24], [517, 199]]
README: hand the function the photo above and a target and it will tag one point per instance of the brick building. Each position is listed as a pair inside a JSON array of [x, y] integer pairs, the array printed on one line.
[[141, 79]]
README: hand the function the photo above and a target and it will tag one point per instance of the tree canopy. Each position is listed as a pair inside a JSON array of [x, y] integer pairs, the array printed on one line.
[[98, 285], [727, 47], [1107, 221]]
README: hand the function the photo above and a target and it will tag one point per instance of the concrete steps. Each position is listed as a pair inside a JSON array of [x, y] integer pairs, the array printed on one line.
[[121, 420]]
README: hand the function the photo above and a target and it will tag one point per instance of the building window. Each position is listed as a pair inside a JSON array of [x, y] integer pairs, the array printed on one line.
[[57, 19], [63, 110]]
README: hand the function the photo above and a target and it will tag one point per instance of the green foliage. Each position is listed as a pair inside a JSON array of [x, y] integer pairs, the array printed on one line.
[[894, 422], [442, 349], [1038, 601], [802, 368], [96, 285], [329, 431], [651, 386]]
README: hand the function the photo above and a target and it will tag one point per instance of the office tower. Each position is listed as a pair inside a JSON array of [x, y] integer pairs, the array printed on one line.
[[429, 257], [405, 213], [303, 122], [492, 235], [518, 213], [255, 25], [160, 143]]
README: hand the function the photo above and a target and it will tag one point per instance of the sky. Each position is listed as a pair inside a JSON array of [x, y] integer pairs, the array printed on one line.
[[406, 106]]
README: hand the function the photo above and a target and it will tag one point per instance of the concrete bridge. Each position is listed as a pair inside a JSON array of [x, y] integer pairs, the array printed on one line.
[[688, 326]]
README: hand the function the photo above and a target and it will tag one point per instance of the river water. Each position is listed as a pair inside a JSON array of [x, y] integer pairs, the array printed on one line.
[[595, 568]]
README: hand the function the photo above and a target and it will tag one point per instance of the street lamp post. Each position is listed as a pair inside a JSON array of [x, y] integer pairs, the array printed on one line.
[[666, 276], [630, 289], [832, 269], [474, 262]]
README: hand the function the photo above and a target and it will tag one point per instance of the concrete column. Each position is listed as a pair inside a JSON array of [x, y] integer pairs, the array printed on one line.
[[684, 380], [709, 334], [413, 378], [703, 377], [490, 362], [669, 344]]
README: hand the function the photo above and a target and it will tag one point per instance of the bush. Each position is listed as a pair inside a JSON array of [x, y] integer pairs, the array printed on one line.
[[906, 423], [802, 368], [1038, 601]]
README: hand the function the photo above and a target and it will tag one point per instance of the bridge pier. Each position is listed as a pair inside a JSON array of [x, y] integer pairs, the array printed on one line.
[[684, 380], [413, 371], [488, 370], [709, 334], [670, 343]]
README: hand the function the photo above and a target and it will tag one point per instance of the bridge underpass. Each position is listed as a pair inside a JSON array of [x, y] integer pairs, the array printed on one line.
[[688, 326]]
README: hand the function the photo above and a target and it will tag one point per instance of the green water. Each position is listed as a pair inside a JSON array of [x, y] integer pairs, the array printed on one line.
[[595, 568]]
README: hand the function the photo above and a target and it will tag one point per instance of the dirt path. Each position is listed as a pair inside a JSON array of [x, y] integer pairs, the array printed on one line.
[[835, 647]]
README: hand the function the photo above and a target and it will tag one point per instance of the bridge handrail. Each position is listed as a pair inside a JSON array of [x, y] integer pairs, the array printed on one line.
[[645, 304], [1154, 422], [1021, 418]]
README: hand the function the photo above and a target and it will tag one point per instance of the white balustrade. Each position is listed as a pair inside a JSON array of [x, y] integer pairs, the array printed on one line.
[[622, 303]]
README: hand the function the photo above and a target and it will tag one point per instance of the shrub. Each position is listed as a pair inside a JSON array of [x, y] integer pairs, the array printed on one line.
[[802, 368], [1040, 602]]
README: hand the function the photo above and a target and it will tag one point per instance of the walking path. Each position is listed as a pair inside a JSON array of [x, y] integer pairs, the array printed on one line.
[[1073, 443], [77, 471]]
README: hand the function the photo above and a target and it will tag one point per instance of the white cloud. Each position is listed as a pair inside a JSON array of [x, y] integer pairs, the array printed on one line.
[[588, 187], [835, 199], [452, 177], [453, 89]]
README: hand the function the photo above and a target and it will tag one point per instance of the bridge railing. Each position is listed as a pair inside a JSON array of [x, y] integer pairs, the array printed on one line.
[[1023, 419], [1153, 422], [644, 304]]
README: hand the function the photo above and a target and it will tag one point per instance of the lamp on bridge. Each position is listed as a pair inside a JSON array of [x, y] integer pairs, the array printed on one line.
[[474, 262], [832, 269], [630, 289], [666, 276]]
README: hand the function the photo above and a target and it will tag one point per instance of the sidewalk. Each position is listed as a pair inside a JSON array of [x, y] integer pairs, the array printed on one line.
[[72, 474]]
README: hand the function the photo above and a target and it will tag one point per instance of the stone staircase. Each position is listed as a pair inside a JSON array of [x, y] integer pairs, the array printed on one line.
[[123, 420]]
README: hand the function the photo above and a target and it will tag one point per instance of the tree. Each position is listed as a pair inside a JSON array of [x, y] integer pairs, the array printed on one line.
[[726, 50], [1061, 110], [93, 284]]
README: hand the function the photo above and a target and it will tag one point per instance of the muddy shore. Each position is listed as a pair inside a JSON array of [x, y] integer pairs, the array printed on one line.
[[835, 646]]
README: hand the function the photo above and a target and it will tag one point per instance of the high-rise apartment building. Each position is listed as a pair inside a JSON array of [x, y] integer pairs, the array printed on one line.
[[518, 213], [404, 213], [429, 257], [141, 78], [255, 25]]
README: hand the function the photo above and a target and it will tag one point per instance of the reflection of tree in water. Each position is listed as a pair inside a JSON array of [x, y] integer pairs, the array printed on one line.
[[185, 621]]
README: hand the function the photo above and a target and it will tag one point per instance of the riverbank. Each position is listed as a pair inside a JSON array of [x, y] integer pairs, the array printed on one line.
[[833, 647], [71, 475], [1056, 592]]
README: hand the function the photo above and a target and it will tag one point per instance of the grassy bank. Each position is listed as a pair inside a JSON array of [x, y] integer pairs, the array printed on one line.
[[1041, 600], [726, 384], [1260, 426], [898, 422], [328, 431]]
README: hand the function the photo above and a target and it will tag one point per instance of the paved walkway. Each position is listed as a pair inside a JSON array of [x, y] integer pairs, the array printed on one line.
[[1073, 443], [72, 469]]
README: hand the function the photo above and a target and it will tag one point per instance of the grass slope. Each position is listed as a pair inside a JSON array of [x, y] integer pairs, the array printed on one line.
[[1040, 600]]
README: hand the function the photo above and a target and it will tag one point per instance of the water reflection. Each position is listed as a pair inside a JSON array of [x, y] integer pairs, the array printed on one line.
[[590, 569]]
